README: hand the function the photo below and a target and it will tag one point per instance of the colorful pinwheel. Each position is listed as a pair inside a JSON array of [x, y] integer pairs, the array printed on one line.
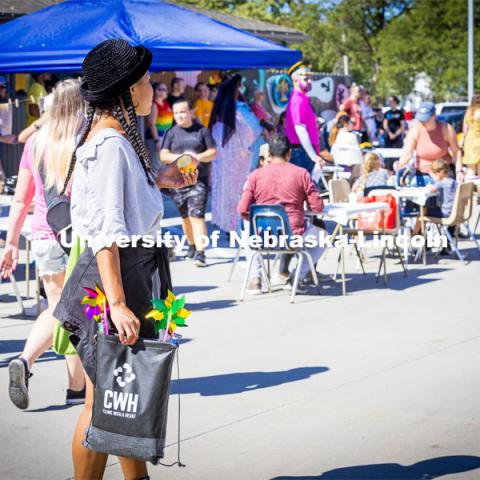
[[169, 313], [95, 306]]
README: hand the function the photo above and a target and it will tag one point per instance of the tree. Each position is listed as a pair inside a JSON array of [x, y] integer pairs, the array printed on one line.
[[431, 38], [302, 15], [352, 29], [388, 42]]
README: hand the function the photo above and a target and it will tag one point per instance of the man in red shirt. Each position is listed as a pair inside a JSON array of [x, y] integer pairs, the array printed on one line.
[[280, 182], [351, 106]]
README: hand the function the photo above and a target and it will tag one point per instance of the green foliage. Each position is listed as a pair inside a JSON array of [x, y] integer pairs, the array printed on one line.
[[431, 38], [388, 42], [302, 15], [354, 26]]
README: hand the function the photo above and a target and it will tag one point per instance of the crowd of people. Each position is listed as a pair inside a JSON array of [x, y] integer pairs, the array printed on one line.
[[87, 146]]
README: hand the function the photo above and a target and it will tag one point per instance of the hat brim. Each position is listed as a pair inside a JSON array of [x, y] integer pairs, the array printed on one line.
[[302, 72], [424, 117], [123, 83]]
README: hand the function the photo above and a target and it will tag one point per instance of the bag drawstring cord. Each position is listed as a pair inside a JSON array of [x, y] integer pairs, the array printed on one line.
[[178, 462]]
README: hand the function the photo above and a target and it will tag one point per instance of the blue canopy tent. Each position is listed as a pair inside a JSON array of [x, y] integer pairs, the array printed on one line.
[[57, 38]]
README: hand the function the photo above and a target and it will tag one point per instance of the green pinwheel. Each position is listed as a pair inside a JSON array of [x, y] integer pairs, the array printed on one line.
[[169, 313]]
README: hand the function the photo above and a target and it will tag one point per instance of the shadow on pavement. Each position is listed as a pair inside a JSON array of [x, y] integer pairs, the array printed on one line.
[[52, 408], [424, 470], [15, 316], [357, 282], [20, 275], [16, 347], [181, 289], [211, 305], [12, 346], [233, 383]]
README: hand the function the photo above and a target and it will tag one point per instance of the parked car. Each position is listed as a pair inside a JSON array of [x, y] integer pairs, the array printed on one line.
[[455, 119], [451, 107]]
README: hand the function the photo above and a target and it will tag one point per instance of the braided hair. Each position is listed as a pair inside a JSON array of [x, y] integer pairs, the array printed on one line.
[[133, 134], [114, 109], [83, 137]]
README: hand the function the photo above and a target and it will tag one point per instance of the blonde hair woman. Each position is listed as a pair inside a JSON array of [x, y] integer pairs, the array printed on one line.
[[51, 147], [471, 143]]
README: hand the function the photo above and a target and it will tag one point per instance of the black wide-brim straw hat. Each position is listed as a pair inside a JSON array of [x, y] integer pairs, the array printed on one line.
[[111, 68]]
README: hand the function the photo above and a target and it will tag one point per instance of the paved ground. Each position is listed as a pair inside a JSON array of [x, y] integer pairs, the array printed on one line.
[[382, 384]]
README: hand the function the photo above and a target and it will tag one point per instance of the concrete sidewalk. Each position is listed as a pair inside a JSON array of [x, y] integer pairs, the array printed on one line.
[[381, 384]]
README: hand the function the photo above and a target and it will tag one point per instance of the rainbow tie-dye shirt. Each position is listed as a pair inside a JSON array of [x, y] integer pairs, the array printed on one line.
[[164, 118]]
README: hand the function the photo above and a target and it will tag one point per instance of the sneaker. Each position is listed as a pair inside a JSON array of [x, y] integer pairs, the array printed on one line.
[[280, 278], [199, 259], [190, 252], [254, 286], [445, 252], [75, 397], [301, 287], [18, 387]]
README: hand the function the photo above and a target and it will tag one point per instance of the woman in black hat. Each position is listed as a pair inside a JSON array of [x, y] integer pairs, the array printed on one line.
[[115, 193]]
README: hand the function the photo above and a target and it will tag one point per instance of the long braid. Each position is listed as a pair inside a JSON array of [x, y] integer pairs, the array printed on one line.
[[132, 133], [127, 99], [90, 116]]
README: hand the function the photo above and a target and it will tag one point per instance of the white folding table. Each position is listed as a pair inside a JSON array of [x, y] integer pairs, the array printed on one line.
[[418, 195], [341, 213]]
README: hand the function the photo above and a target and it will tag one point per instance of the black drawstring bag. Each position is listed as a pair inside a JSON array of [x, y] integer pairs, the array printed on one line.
[[58, 214], [131, 398]]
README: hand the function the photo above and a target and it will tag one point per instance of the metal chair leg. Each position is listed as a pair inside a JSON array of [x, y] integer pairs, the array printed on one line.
[[297, 276], [473, 238], [385, 267], [247, 275], [407, 246], [334, 278], [27, 267], [476, 223], [440, 231], [17, 294], [312, 270], [454, 245], [377, 276], [418, 254], [234, 264], [324, 180], [359, 255], [401, 259], [265, 273]]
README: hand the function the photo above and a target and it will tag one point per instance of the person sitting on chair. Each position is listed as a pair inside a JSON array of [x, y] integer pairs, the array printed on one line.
[[373, 174], [445, 187], [282, 183]]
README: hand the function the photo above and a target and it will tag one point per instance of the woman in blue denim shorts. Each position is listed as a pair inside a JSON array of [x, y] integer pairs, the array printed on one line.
[[52, 146]]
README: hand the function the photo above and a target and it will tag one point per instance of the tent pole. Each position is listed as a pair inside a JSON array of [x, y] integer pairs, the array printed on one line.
[[470, 50]]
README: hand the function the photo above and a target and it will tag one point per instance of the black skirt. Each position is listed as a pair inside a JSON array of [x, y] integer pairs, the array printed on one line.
[[145, 275]]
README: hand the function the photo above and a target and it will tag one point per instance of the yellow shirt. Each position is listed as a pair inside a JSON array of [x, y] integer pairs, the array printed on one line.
[[471, 144], [203, 110], [36, 91]]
